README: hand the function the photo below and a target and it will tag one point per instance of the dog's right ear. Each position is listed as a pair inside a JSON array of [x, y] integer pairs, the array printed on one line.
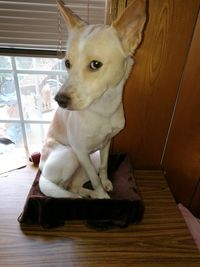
[[70, 18]]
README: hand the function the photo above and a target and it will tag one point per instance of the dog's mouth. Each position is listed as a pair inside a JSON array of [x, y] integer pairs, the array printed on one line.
[[62, 100]]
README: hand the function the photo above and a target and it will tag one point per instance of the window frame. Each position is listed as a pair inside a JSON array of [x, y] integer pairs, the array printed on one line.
[[22, 121]]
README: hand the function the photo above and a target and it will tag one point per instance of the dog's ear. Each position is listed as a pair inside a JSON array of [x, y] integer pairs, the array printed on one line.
[[130, 25], [70, 18]]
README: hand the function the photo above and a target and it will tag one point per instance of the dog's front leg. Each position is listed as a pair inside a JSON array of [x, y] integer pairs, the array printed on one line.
[[103, 171], [90, 170]]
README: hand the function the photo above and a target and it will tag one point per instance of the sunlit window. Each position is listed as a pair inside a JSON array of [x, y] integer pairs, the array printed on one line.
[[27, 89]]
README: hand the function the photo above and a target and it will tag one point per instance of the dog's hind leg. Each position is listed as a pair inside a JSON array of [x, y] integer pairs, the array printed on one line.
[[77, 184], [58, 171], [87, 165], [80, 178], [51, 189]]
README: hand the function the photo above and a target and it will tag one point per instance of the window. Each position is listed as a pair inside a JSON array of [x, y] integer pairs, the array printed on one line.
[[37, 27], [28, 84], [27, 89]]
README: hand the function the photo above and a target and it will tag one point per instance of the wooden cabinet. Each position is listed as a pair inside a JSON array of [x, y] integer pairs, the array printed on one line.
[[162, 97]]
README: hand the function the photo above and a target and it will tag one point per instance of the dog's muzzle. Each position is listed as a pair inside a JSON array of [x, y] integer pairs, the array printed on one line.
[[62, 100]]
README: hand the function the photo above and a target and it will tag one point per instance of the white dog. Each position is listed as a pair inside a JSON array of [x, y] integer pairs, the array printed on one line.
[[90, 112]]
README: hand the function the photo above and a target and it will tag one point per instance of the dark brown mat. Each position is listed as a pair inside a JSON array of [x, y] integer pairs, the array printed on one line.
[[124, 207]]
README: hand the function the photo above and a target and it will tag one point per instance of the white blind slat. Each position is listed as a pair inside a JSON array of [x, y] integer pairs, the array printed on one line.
[[29, 24]]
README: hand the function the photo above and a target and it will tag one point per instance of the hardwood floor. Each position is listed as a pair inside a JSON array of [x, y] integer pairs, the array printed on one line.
[[161, 239]]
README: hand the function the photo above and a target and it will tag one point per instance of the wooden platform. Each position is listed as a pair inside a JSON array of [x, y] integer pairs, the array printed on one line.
[[161, 239]]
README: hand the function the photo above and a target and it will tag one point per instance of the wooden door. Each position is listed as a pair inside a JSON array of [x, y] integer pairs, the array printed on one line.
[[151, 91], [182, 156]]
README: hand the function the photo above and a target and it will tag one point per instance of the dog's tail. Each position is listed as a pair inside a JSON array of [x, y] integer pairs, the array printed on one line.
[[51, 189]]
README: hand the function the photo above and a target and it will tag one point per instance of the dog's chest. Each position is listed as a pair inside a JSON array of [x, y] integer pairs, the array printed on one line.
[[93, 131], [100, 133]]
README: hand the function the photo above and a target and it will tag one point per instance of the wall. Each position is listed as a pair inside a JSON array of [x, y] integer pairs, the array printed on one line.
[[182, 156], [152, 92]]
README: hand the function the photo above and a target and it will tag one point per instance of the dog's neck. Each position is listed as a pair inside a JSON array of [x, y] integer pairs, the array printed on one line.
[[112, 98], [110, 101]]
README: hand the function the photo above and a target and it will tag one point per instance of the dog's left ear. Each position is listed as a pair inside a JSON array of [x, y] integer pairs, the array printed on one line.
[[130, 25], [70, 18]]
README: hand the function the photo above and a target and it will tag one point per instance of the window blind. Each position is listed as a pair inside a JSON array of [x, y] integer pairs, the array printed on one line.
[[37, 28]]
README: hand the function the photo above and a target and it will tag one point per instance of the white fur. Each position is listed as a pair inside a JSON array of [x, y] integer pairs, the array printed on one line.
[[93, 115]]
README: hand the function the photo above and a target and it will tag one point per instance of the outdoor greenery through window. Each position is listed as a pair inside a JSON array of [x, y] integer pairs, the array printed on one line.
[[27, 89]]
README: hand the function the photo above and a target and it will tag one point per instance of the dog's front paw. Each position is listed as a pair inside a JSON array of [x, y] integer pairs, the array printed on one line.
[[107, 185], [99, 193]]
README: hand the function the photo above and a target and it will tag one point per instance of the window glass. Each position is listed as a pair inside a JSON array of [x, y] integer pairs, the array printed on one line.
[[30, 87], [8, 98], [36, 134], [46, 64], [12, 131], [5, 63], [37, 94], [12, 152]]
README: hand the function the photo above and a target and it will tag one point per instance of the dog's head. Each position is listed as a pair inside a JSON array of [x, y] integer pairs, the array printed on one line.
[[97, 55]]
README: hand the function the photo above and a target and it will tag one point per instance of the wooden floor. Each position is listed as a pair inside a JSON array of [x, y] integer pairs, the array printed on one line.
[[161, 239]]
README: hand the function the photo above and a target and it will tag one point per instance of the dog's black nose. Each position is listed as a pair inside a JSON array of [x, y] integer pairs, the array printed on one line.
[[62, 100]]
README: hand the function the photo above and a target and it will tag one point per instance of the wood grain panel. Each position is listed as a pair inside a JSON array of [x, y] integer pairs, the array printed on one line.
[[161, 239], [182, 157], [151, 90]]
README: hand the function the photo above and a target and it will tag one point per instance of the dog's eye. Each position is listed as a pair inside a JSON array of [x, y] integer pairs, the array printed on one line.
[[95, 65], [67, 64]]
